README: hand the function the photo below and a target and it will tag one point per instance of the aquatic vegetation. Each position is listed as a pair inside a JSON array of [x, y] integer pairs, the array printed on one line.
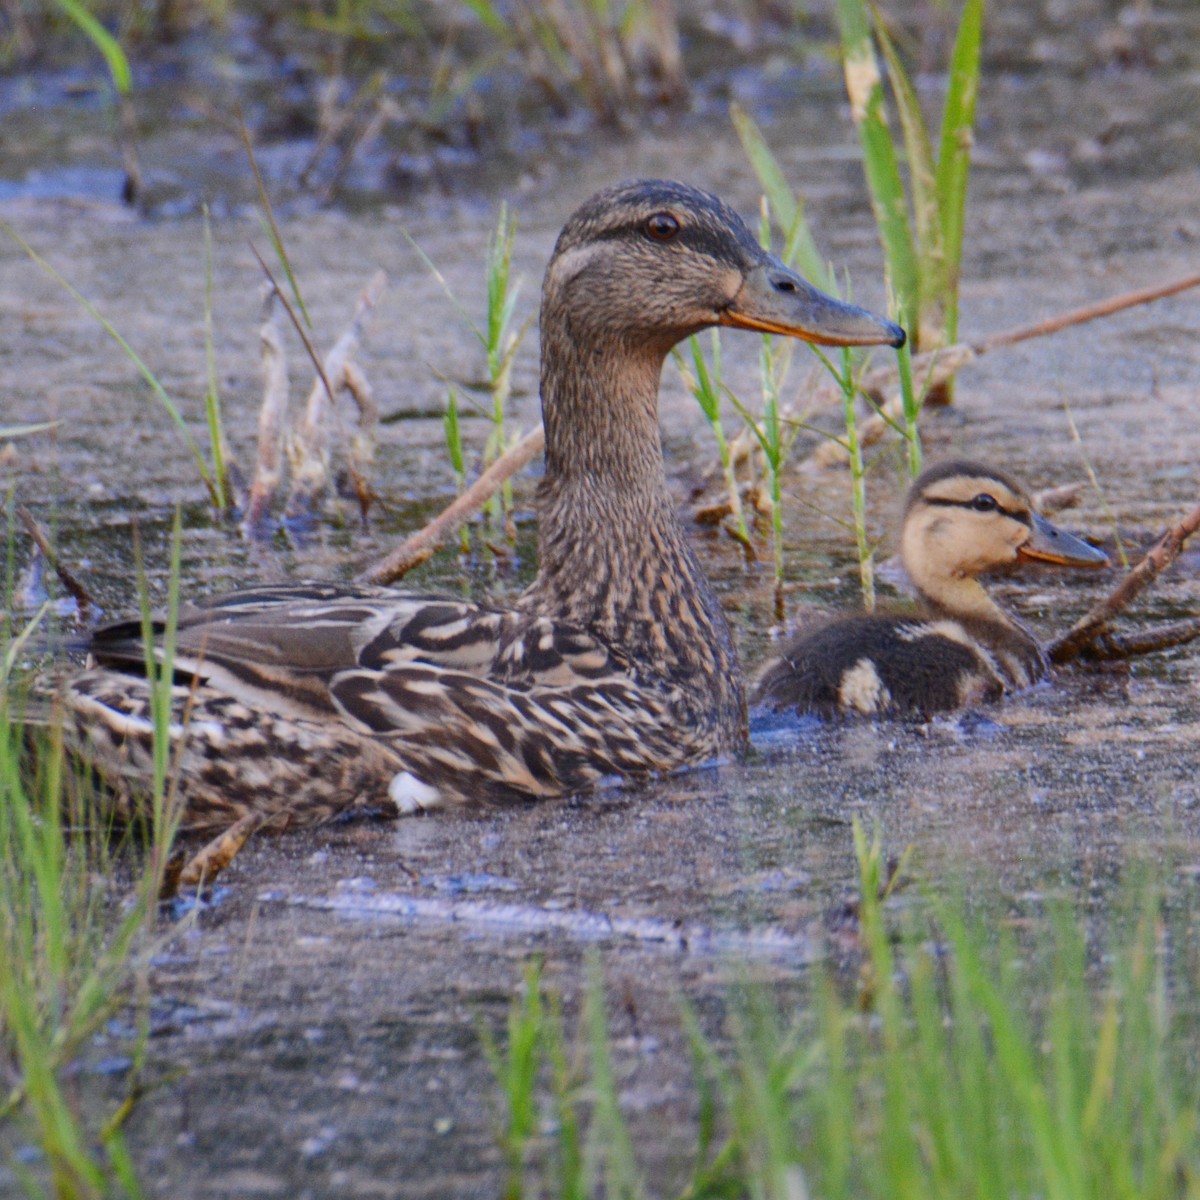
[[223, 499], [501, 342], [78, 906], [921, 231], [800, 249], [616, 57], [707, 384], [956, 1060], [454, 448], [848, 386]]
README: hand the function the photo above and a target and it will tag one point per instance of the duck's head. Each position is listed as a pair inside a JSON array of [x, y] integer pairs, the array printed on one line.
[[645, 264], [963, 518]]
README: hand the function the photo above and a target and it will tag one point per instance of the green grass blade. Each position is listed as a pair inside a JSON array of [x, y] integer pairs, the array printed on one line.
[[864, 87], [444, 284], [788, 210], [954, 155], [926, 208], [623, 1180], [271, 226], [491, 16], [114, 56], [212, 395], [912, 409]]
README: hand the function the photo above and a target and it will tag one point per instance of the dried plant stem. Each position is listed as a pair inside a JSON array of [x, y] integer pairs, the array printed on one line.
[[1094, 624], [35, 531], [338, 372], [421, 545], [271, 419]]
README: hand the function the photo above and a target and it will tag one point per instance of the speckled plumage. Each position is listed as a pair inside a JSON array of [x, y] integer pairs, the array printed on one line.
[[962, 649], [304, 701]]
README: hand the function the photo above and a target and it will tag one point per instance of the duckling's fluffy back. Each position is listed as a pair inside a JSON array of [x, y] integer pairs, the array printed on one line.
[[878, 664]]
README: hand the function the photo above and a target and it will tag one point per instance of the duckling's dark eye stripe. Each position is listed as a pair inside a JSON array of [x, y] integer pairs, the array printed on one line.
[[942, 502]]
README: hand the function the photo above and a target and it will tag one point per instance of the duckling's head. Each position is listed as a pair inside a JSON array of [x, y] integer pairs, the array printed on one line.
[[964, 518], [643, 265]]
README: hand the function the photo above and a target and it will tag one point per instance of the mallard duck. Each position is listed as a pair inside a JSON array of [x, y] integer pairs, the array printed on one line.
[[301, 702], [960, 520]]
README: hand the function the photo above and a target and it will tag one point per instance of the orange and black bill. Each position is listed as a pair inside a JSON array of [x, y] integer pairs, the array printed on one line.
[[774, 299], [1048, 543]]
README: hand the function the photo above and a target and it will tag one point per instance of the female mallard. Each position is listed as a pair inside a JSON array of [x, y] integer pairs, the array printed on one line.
[[960, 520], [301, 702]]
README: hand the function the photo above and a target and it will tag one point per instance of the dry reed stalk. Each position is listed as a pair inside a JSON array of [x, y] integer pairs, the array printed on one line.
[[1093, 626], [272, 418], [309, 449]]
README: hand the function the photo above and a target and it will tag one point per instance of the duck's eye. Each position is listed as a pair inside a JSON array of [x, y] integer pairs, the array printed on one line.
[[984, 503], [662, 227]]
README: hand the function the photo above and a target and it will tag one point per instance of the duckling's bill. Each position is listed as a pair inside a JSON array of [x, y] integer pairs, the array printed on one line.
[[775, 299], [1048, 543]]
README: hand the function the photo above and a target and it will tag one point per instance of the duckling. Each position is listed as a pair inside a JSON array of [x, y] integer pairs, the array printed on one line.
[[960, 520], [297, 703]]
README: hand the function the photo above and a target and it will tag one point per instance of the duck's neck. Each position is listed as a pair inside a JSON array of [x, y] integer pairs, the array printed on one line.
[[612, 554], [1017, 652], [960, 597]]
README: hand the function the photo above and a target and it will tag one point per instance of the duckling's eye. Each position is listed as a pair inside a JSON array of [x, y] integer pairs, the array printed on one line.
[[984, 503], [662, 227]]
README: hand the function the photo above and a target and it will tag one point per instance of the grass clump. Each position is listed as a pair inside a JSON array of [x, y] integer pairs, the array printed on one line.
[[800, 251], [78, 907], [959, 1059], [921, 230]]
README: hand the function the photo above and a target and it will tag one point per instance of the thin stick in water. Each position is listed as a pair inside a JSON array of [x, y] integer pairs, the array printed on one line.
[[35, 531]]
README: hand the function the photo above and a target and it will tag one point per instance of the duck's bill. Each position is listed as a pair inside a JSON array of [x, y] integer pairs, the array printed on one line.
[[1048, 543], [774, 299]]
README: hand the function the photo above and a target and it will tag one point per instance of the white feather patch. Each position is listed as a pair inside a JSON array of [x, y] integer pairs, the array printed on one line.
[[410, 794], [862, 689]]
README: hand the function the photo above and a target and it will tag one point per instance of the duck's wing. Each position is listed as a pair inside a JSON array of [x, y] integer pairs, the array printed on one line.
[[465, 738], [417, 700], [286, 644]]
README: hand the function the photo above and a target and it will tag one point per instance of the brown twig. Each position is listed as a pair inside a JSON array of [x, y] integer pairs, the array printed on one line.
[[1089, 312], [416, 549], [1094, 623], [1119, 646], [35, 531]]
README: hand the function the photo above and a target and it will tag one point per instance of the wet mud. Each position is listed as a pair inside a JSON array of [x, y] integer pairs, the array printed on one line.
[[317, 1024]]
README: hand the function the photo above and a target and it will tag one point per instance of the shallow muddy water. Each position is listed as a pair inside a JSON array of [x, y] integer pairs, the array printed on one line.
[[324, 1008]]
